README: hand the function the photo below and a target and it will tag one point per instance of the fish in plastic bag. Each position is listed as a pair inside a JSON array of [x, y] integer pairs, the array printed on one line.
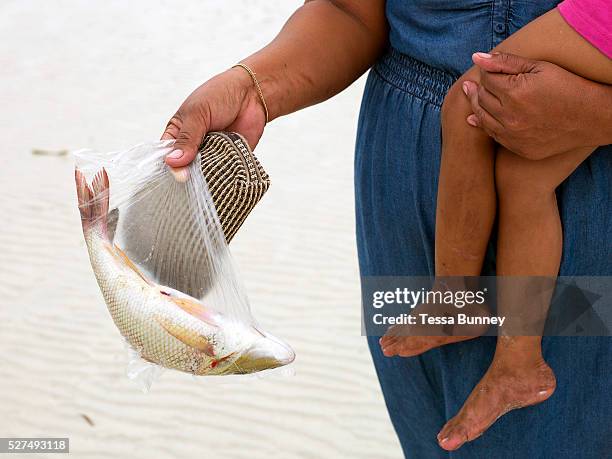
[[214, 334]]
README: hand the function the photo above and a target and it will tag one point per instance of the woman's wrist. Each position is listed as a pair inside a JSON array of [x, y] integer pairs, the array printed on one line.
[[269, 79], [244, 83], [248, 88]]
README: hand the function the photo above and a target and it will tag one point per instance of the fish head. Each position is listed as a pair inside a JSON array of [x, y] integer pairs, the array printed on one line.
[[264, 353]]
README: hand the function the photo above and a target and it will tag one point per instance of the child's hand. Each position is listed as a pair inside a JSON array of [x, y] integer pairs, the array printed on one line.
[[537, 109]]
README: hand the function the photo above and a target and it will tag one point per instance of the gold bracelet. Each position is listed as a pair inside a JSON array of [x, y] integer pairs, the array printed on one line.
[[254, 78]]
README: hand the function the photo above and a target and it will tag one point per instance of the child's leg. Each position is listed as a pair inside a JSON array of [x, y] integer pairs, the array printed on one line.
[[464, 218], [530, 231], [466, 195], [530, 241], [466, 191]]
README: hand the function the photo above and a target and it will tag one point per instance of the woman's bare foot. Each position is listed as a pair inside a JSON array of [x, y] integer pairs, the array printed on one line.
[[506, 386], [412, 340]]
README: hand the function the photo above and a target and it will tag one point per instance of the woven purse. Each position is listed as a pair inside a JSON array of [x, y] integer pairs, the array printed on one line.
[[236, 182], [235, 178]]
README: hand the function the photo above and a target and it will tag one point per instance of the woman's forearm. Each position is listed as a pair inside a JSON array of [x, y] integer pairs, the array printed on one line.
[[597, 119], [546, 92], [322, 49]]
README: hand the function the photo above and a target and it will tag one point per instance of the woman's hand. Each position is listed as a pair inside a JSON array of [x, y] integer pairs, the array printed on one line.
[[228, 101], [537, 109]]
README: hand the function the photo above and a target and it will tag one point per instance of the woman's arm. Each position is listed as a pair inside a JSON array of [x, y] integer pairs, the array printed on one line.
[[323, 48], [548, 38]]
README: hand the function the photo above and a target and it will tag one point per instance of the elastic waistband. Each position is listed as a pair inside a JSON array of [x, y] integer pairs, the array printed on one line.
[[414, 77]]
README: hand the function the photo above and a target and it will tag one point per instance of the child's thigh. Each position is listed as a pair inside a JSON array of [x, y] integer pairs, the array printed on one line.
[[513, 172], [549, 38]]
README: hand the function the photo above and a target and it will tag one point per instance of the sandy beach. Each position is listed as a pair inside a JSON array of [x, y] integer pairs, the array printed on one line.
[[107, 75]]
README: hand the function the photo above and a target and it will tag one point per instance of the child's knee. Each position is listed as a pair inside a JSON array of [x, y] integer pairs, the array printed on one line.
[[454, 105]]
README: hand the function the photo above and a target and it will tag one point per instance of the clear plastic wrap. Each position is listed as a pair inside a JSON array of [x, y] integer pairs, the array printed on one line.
[[164, 268]]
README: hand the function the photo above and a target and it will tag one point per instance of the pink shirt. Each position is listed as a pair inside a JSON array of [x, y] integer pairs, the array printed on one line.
[[592, 19]]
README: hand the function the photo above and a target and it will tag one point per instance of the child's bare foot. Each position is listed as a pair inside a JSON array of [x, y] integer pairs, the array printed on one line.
[[503, 388], [412, 340]]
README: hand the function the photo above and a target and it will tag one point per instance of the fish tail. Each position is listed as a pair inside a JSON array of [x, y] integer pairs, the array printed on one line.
[[93, 200]]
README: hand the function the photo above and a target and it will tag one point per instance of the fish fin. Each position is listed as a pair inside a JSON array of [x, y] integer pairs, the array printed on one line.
[[93, 200], [100, 197], [196, 309], [129, 263], [84, 197], [186, 336], [113, 220]]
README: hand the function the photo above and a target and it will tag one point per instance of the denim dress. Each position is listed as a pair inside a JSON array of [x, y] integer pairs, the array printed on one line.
[[396, 178]]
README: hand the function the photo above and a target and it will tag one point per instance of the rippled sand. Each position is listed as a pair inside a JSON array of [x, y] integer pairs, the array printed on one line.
[[106, 77]]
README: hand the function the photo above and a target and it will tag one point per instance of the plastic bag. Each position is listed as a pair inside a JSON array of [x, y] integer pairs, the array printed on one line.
[[164, 268]]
